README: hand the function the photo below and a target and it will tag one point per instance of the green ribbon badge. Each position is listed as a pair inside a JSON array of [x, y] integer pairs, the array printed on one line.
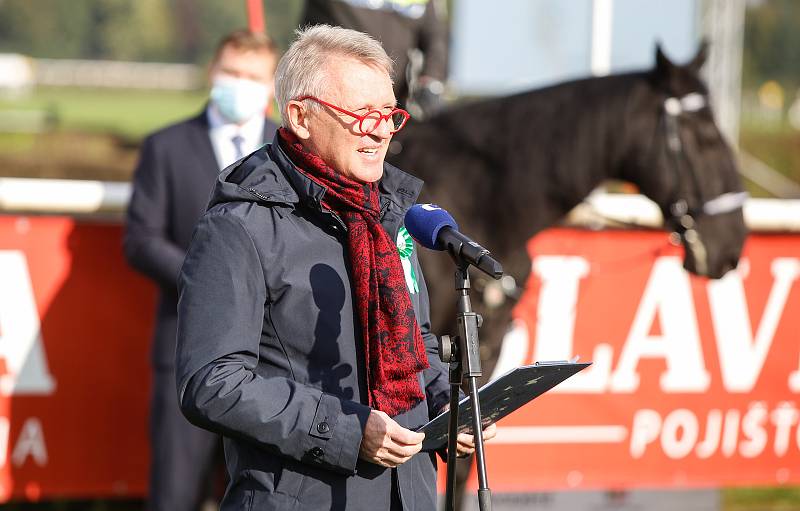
[[405, 246]]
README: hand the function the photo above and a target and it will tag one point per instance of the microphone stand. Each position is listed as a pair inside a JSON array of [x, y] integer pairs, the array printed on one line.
[[463, 355]]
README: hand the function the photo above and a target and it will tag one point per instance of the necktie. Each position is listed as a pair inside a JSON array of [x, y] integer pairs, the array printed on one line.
[[238, 140]]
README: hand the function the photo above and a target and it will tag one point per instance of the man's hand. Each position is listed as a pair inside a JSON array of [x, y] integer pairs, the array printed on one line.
[[465, 443], [386, 442]]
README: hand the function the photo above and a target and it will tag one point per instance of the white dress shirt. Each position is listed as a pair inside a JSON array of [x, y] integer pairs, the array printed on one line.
[[223, 132]]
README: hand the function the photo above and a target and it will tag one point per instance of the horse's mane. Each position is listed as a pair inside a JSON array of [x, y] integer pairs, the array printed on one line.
[[564, 103]]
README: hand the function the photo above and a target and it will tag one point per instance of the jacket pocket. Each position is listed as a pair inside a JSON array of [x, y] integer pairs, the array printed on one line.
[[291, 478], [265, 501]]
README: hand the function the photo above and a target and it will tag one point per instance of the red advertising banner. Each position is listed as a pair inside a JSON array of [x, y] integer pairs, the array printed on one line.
[[694, 383], [75, 327]]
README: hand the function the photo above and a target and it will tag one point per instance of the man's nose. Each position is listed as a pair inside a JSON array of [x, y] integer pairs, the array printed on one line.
[[384, 129]]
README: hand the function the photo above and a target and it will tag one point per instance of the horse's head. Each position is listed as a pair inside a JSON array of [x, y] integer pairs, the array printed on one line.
[[678, 157]]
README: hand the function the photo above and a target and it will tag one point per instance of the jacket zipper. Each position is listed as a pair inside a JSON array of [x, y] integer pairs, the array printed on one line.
[[384, 207], [336, 217], [257, 194]]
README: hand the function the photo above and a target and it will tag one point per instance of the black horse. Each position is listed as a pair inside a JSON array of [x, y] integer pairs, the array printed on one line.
[[509, 167]]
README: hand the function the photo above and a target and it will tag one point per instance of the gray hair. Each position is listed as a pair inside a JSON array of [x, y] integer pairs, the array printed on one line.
[[303, 68]]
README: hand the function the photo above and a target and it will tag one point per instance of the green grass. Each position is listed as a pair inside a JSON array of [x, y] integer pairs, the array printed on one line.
[[785, 498], [128, 113], [773, 143]]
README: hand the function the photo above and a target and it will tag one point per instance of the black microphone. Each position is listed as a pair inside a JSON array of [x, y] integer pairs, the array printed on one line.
[[435, 229]]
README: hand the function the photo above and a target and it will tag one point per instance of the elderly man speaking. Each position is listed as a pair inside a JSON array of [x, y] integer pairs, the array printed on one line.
[[303, 322]]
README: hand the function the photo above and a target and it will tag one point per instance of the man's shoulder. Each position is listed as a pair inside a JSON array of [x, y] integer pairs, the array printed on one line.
[[400, 186], [241, 209], [178, 130], [258, 172], [257, 181]]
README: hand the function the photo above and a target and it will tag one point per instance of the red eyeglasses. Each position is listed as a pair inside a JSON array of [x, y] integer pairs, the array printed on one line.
[[370, 121]]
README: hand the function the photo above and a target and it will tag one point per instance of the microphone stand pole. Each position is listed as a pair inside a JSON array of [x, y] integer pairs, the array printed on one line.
[[463, 355]]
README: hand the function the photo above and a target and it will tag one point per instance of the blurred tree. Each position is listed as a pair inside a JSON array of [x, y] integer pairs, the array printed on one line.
[[45, 28], [282, 18], [201, 23], [142, 30], [772, 43], [187, 29]]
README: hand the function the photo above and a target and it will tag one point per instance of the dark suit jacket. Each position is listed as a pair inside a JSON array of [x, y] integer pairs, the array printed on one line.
[[171, 186], [270, 346]]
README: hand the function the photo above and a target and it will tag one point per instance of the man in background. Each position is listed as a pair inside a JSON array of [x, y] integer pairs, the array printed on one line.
[[407, 29], [171, 185]]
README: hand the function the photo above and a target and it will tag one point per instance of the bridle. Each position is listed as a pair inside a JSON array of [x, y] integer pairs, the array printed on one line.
[[683, 218]]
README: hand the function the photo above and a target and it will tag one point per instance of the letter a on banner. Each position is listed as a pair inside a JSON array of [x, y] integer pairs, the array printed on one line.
[[21, 347], [742, 353], [668, 296]]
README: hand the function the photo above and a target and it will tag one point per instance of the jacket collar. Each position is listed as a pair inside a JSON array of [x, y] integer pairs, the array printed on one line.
[[396, 186], [268, 175]]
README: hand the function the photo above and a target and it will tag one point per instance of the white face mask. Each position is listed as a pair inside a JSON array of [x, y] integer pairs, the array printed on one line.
[[237, 99]]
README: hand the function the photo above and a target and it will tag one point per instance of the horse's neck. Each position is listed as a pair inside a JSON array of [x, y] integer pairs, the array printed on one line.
[[540, 152], [589, 152], [571, 143]]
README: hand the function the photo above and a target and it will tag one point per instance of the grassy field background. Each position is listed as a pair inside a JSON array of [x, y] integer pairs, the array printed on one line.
[[84, 133], [126, 113]]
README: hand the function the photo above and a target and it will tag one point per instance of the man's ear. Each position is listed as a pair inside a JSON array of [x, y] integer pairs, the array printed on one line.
[[298, 119]]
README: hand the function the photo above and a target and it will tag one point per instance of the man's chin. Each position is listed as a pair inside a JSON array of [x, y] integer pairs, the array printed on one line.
[[370, 174]]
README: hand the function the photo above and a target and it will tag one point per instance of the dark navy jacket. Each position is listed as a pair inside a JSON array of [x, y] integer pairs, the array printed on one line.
[[269, 344], [176, 172]]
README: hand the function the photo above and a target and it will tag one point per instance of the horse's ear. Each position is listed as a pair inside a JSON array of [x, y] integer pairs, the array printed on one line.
[[701, 56], [663, 64]]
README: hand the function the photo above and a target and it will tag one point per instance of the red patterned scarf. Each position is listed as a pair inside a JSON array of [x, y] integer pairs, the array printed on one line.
[[393, 345]]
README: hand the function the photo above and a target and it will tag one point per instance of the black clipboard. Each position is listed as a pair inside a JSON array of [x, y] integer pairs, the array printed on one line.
[[500, 397]]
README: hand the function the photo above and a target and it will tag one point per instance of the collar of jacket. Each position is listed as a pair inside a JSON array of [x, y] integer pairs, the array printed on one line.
[[269, 175]]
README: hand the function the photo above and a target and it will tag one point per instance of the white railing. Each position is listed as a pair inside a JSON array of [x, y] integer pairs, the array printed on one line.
[[73, 197], [618, 210], [119, 74], [62, 196]]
